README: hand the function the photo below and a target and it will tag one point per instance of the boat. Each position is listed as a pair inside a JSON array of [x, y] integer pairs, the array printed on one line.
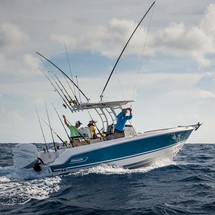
[[133, 150]]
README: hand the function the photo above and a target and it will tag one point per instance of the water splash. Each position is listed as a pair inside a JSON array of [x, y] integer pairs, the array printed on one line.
[[20, 192], [20, 186], [109, 170]]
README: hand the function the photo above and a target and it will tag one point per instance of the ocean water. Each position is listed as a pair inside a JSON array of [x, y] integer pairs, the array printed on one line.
[[183, 186]]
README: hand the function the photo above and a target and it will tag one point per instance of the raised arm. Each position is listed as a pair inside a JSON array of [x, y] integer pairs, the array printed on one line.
[[65, 121], [129, 109]]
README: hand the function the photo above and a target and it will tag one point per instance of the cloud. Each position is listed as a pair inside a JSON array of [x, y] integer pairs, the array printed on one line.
[[207, 82], [180, 41], [108, 40], [206, 94], [12, 36], [207, 23], [196, 42], [15, 61], [161, 96], [69, 41], [177, 39], [19, 67], [169, 86], [191, 93]]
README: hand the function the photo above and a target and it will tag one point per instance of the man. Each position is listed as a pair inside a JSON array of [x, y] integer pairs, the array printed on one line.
[[121, 121], [74, 134]]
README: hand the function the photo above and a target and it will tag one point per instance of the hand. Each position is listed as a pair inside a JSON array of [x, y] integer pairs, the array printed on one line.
[[129, 109]]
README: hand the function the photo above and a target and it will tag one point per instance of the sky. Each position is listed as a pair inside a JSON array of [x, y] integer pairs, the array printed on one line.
[[167, 68]]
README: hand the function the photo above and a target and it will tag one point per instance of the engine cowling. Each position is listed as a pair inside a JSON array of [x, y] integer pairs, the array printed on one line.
[[25, 155]]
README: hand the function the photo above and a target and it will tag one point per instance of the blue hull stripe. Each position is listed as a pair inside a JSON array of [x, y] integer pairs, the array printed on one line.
[[112, 160]]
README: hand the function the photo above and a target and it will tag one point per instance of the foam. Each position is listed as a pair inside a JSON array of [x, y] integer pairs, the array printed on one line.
[[109, 170], [18, 191]]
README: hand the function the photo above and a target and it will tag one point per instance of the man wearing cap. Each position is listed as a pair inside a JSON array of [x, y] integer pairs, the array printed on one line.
[[74, 134]]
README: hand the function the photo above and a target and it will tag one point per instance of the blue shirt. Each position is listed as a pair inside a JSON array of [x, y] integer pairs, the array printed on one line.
[[121, 121]]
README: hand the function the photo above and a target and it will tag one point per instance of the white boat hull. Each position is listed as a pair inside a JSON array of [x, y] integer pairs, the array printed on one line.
[[128, 152]]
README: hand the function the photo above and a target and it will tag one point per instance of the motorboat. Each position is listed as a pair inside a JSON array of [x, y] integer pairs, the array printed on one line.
[[133, 150]]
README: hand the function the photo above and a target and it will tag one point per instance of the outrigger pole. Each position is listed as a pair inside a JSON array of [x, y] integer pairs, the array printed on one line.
[[101, 96], [64, 75]]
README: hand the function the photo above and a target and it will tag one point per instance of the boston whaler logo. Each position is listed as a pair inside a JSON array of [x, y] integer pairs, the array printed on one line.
[[78, 160]]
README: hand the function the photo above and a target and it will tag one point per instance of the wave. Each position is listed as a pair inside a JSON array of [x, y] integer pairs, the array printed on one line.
[[182, 186], [21, 186]]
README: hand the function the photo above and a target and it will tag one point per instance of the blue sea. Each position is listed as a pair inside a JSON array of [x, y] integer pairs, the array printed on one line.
[[185, 185]]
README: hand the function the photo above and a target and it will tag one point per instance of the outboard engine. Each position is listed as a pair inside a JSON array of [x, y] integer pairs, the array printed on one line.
[[25, 155]]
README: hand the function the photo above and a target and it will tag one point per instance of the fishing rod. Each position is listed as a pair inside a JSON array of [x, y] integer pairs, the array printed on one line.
[[65, 102], [64, 75], [52, 76], [101, 96], [74, 93], [41, 129], [54, 132], [62, 123], [68, 100], [79, 91], [71, 100], [76, 99], [50, 127]]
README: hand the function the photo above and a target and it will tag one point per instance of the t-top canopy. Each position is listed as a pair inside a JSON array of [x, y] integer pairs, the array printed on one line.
[[107, 104]]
